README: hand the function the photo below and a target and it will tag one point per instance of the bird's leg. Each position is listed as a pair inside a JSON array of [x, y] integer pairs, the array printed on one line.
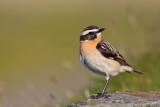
[[105, 86]]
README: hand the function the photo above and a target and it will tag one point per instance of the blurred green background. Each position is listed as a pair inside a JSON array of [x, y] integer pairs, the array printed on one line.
[[39, 43]]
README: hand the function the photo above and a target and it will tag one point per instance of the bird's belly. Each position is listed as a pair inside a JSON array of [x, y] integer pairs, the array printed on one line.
[[98, 63]]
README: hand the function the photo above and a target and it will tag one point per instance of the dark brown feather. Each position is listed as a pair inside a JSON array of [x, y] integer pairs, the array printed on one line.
[[137, 71], [91, 27], [110, 52]]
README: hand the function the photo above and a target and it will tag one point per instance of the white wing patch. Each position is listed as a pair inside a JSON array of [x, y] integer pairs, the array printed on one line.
[[103, 47], [111, 58]]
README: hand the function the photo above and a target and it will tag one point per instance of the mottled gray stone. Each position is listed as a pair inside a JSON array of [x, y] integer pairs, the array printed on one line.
[[122, 99]]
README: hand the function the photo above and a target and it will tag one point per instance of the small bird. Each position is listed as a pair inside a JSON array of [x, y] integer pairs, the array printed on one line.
[[100, 57]]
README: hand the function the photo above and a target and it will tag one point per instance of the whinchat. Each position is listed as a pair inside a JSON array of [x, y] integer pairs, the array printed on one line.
[[100, 56]]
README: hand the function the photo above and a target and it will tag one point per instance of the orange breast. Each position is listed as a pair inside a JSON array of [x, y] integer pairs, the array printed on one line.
[[89, 46]]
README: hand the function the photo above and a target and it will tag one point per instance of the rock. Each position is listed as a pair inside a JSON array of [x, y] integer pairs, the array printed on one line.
[[122, 99]]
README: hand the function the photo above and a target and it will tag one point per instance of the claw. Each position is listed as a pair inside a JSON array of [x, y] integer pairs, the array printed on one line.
[[100, 95]]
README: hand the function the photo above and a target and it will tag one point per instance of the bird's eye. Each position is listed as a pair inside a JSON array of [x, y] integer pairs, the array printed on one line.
[[90, 33]]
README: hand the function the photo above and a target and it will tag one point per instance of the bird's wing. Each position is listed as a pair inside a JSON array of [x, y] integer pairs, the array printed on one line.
[[110, 52]]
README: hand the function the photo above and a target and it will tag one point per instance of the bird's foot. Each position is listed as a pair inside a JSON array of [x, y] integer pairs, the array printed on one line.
[[100, 95]]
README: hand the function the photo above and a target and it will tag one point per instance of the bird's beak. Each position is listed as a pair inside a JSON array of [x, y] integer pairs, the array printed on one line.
[[100, 30]]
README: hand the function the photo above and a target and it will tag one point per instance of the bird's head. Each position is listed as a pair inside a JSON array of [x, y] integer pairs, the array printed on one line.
[[91, 33]]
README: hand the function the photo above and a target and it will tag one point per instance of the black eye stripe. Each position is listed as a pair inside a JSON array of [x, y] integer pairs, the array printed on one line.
[[88, 37], [90, 33], [93, 37]]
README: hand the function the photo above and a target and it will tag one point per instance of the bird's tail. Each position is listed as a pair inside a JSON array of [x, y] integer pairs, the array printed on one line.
[[137, 71]]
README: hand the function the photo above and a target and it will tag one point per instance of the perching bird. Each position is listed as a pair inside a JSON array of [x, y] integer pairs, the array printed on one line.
[[100, 56]]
